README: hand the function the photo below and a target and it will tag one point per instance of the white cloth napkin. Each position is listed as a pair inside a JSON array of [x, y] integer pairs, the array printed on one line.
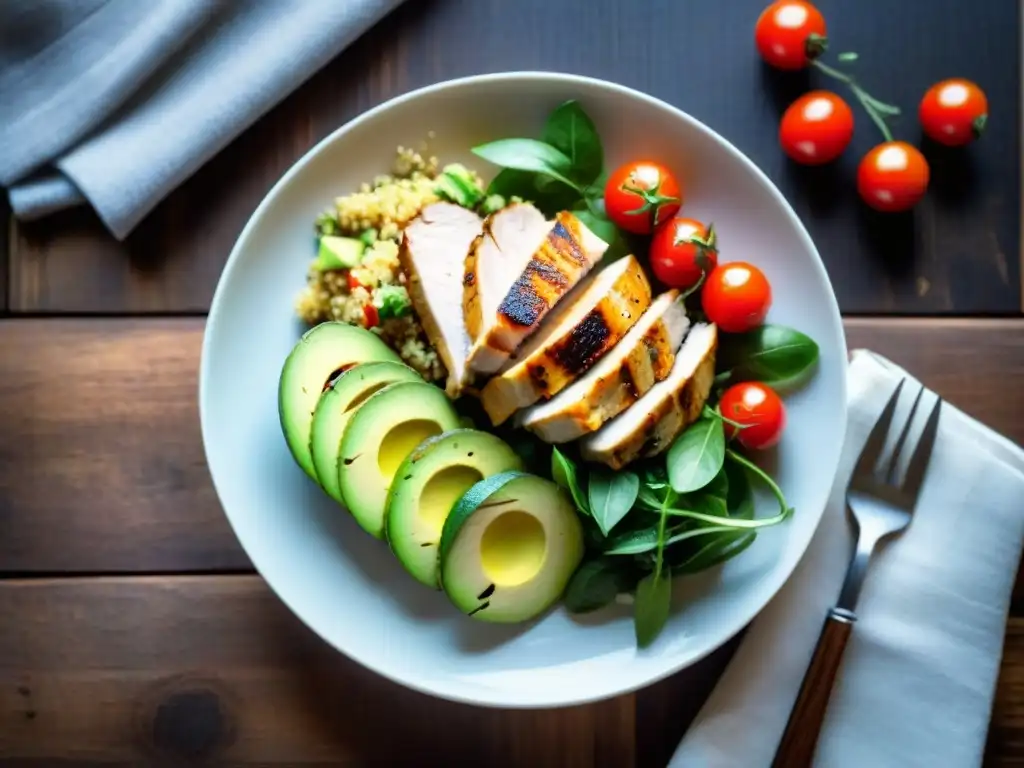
[[116, 102], [920, 670]]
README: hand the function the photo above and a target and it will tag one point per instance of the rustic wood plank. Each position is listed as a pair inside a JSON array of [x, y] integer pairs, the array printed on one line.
[[5, 248], [110, 476], [101, 461], [959, 253], [1006, 731], [200, 670]]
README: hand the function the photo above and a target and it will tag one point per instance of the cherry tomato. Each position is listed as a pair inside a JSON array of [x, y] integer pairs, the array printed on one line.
[[816, 128], [893, 176], [371, 315], [682, 250], [790, 33], [953, 112], [641, 195], [736, 296], [759, 409]]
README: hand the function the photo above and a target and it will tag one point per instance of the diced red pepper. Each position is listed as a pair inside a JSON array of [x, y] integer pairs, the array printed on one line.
[[371, 315], [353, 283]]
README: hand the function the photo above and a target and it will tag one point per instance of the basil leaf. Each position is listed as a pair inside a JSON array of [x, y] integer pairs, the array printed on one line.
[[571, 130], [612, 495], [769, 353], [594, 585], [651, 607], [563, 472], [528, 155], [696, 456]]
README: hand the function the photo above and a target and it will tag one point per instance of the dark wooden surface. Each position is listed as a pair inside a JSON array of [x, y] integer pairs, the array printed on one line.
[[133, 631], [958, 254]]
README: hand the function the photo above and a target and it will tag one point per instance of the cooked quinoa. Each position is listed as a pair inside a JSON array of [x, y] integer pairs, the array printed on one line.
[[373, 294]]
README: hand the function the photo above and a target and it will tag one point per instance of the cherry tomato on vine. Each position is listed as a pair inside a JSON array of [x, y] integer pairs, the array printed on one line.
[[736, 296], [953, 112], [682, 250], [893, 176], [759, 409], [816, 128], [640, 195], [790, 33]]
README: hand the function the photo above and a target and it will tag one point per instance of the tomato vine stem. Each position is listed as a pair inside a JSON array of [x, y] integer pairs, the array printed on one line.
[[877, 110]]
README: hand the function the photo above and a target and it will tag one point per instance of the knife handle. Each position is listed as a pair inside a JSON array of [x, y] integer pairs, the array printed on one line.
[[799, 740]]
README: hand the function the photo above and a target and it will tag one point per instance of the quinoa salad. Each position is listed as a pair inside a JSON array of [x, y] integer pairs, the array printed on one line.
[[356, 276]]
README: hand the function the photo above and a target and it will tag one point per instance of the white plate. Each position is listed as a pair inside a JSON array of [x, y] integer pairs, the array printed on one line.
[[346, 586]]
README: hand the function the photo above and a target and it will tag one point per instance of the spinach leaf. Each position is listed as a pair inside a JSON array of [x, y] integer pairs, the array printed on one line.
[[571, 130], [564, 473], [740, 501], [721, 548], [696, 456], [785, 509], [548, 198], [770, 353], [612, 495], [634, 542], [655, 476], [651, 607], [653, 498], [594, 585], [528, 155], [705, 502], [727, 522]]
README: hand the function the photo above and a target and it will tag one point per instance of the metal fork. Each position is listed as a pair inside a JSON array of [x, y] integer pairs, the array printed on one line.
[[881, 503]]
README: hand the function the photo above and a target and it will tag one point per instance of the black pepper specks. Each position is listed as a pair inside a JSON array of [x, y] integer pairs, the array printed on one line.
[[486, 593]]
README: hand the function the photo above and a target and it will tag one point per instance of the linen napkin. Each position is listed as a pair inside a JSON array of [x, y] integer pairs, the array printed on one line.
[[116, 102], [920, 669]]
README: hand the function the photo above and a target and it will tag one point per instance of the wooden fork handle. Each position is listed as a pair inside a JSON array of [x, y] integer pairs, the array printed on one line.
[[796, 750]]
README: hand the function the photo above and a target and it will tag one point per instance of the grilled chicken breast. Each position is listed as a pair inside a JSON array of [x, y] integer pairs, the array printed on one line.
[[650, 424], [573, 337], [644, 357], [566, 254], [432, 255], [498, 256]]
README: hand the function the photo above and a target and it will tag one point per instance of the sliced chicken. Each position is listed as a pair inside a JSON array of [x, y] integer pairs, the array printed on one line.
[[634, 365], [498, 256], [572, 339], [564, 256], [432, 255], [650, 424]]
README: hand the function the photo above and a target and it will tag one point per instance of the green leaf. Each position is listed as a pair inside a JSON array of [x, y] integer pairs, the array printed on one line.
[[594, 585], [528, 155], [527, 185], [651, 608], [847, 56], [634, 542], [571, 130], [740, 501], [719, 549], [726, 522], [612, 495], [696, 456], [702, 501], [564, 473], [770, 353]]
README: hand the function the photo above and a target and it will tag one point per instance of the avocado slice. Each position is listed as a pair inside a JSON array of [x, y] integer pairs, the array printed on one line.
[[509, 547], [323, 352], [431, 479], [380, 434], [335, 407], [338, 252]]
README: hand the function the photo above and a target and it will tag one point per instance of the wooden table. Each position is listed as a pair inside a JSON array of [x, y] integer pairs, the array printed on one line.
[[132, 628]]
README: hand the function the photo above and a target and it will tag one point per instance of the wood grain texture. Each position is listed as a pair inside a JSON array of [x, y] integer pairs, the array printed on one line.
[[101, 459], [215, 670], [1006, 731], [958, 253]]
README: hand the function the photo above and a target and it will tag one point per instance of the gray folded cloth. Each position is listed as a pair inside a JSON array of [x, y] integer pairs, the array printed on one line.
[[116, 102]]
